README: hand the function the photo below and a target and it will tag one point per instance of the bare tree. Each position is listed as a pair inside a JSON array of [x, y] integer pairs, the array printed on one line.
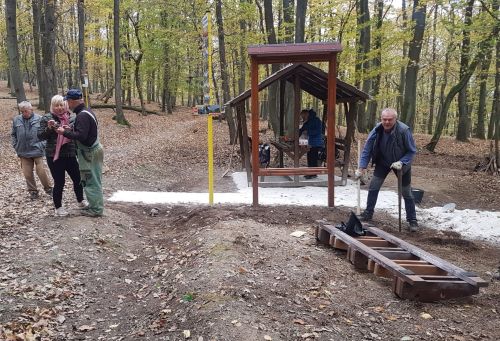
[[463, 108], [120, 117], [137, 58], [223, 69], [13, 50], [410, 97]]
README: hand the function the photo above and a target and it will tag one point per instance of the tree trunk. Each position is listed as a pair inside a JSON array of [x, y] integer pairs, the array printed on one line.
[[495, 106], [300, 21], [48, 26], [402, 71], [432, 99], [377, 64], [82, 69], [273, 88], [242, 60], [13, 50], [410, 96], [288, 20], [481, 109], [137, 60], [36, 46], [120, 117], [224, 74], [362, 59], [463, 108], [443, 112]]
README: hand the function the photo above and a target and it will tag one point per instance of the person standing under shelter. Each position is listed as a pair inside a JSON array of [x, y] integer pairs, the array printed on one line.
[[313, 126], [29, 148], [390, 145], [61, 153], [89, 151]]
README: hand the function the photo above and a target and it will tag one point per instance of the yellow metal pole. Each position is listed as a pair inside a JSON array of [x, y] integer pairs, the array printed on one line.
[[210, 161]]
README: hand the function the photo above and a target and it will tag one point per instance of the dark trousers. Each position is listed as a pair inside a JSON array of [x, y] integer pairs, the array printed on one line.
[[58, 170], [378, 179], [312, 156]]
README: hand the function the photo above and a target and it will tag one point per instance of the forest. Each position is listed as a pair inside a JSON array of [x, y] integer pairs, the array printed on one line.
[[437, 62]]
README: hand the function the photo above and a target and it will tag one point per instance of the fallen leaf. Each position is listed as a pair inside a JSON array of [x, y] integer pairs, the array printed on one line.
[[426, 316], [85, 328], [267, 337], [186, 333], [299, 321]]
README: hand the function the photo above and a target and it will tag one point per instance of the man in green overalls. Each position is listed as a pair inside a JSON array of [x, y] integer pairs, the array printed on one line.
[[90, 154]]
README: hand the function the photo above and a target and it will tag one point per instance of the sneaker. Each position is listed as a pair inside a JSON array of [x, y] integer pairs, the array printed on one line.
[[413, 225], [84, 204], [366, 216], [33, 195], [61, 212], [49, 191]]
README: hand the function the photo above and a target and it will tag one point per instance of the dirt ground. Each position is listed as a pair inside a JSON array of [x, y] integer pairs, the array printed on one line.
[[221, 272]]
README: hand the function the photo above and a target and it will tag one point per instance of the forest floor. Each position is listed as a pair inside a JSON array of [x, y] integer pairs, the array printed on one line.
[[222, 272]]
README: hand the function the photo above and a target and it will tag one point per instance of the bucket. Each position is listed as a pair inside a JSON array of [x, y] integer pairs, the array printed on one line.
[[417, 195]]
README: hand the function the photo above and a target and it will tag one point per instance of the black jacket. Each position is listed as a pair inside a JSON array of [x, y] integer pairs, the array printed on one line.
[[50, 135], [85, 128]]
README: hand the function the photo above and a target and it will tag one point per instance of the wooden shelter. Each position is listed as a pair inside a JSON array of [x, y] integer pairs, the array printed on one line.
[[318, 83]]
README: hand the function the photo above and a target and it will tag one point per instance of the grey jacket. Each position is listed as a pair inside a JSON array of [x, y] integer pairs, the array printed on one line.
[[24, 136]]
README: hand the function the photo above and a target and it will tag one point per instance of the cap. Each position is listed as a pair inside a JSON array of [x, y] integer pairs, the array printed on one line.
[[73, 94]]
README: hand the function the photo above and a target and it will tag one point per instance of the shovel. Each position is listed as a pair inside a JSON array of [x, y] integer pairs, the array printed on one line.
[[400, 190]]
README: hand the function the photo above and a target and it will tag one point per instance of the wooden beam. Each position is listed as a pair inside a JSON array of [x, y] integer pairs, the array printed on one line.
[[330, 149], [292, 171], [468, 277], [254, 75]]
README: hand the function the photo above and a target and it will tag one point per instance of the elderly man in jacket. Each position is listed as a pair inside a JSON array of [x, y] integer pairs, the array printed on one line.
[[390, 146], [29, 148]]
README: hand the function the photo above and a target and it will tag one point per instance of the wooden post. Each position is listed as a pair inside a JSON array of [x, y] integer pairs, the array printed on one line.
[[296, 118], [330, 149], [282, 117], [254, 75]]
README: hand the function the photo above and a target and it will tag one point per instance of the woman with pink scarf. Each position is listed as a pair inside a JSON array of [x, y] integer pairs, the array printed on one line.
[[61, 153]]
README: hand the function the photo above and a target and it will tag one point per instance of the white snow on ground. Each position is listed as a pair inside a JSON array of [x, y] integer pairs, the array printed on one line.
[[473, 224]]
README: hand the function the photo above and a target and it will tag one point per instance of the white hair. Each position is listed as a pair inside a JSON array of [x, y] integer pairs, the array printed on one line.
[[24, 105], [56, 100], [390, 110]]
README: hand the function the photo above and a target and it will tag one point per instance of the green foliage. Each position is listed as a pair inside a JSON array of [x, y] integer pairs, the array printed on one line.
[[170, 33]]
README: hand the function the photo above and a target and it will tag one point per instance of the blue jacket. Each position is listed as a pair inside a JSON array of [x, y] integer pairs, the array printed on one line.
[[24, 136], [313, 126], [402, 147]]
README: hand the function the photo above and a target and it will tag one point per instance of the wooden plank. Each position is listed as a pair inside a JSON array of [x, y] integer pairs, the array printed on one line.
[[358, 259], [381, 271], [293, 171], [409, 261], [425, 292], [339, 244], [397, 254], [424, 269], [371, 265], [375, 242], [468, 277], [396, 269]]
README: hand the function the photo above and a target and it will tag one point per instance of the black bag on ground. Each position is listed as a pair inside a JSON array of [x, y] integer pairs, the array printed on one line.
[[354, 227]]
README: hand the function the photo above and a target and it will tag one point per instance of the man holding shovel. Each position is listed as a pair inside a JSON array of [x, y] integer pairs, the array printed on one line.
[[390, 146]]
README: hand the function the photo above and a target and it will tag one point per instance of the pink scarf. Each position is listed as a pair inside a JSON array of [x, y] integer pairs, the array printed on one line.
[[61, 139]]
